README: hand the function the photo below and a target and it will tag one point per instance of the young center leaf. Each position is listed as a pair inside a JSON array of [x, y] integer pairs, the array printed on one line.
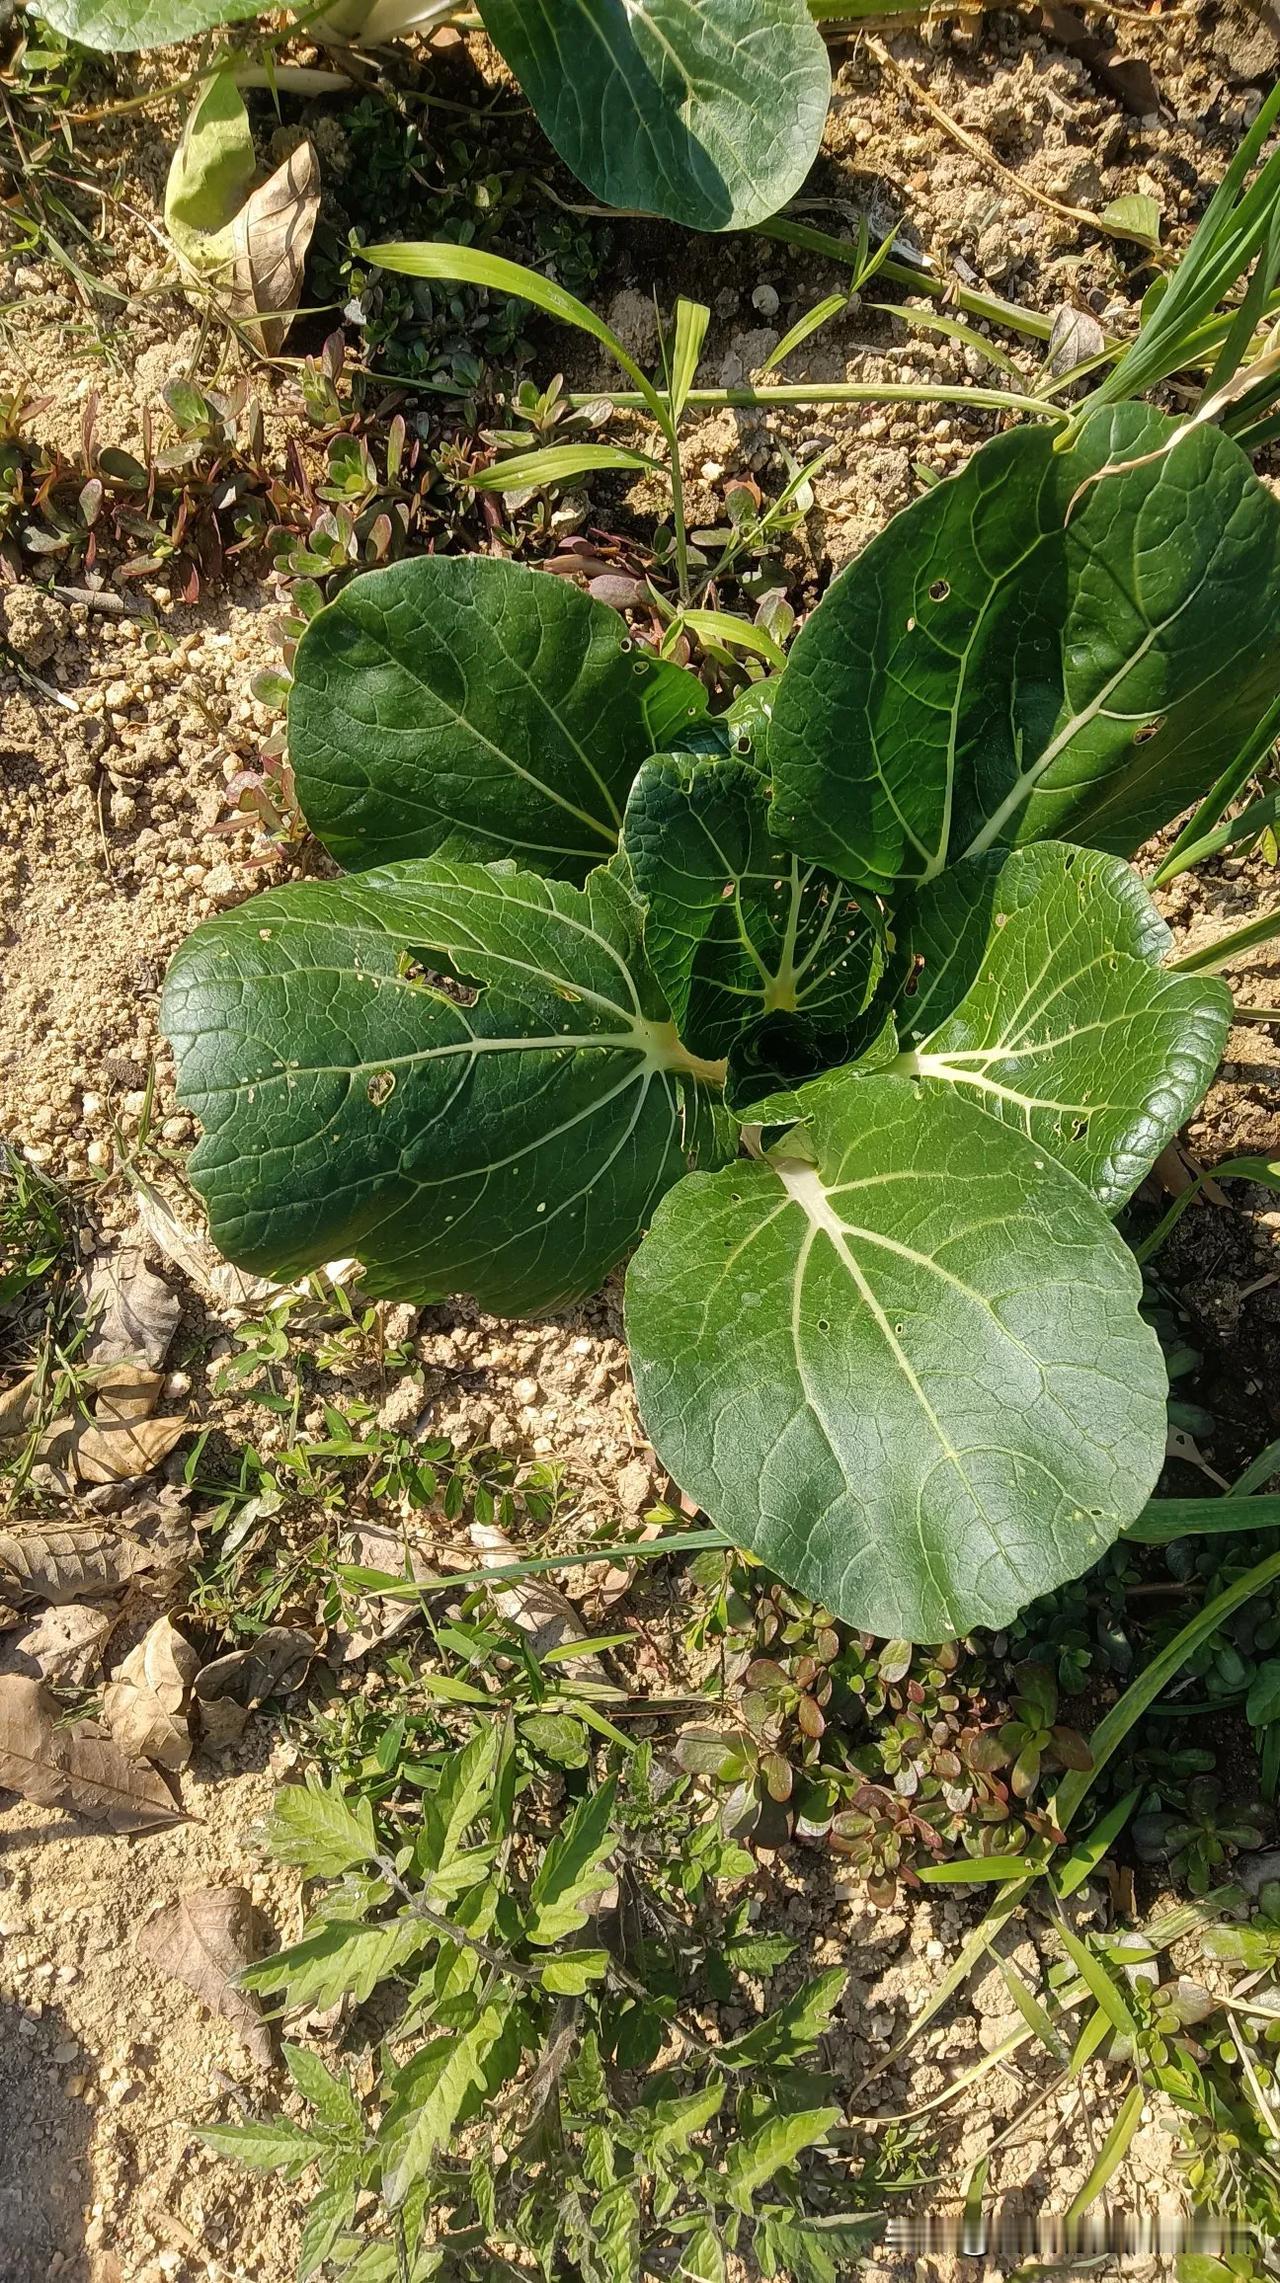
[[900, 1359], [463, 707], [734, 927], [709, 112], [462, 1075], [1054, 642], [1039, 993]]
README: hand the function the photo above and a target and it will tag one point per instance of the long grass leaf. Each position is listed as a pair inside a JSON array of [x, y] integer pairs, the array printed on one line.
[[1103, 1987], [1081, 1861], [1111, 2155]]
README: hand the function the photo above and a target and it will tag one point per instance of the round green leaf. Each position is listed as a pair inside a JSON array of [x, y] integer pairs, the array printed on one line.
[[123, 26], [1034, 649], [462, 1076], [900, 1360], [1041, 995], [734, 928], [707, 111], [464, 707]]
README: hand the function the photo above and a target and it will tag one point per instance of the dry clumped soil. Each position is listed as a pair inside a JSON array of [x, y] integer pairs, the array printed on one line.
[[117, 747]]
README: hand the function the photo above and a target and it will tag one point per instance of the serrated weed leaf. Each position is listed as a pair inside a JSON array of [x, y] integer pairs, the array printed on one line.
[[337, 1958], [436, 2092], [1029, 651], [506, 1132], [571, 1873], [476, 710], [710, 114], [924, 1391], [735, 928], [753, 2162], [1063, 1032], [265, 2144], [795, 2027], [316, 1826]]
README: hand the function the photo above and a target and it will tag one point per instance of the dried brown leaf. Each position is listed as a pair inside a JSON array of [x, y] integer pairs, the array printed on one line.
[[131, 1313], [68, 1561], [204, 1940], [75, 1768], [391, 1551], [116, 1450], [231, 1291], [253, 267], [18, 1405], [127, 1391], [274, 1664], [532, 1603], [144, 1703], [62, 1645]]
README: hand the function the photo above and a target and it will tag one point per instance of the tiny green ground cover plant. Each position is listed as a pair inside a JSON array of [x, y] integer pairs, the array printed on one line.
[[845, 1007]]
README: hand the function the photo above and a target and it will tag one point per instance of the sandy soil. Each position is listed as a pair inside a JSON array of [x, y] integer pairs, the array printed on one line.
[[113, 809]]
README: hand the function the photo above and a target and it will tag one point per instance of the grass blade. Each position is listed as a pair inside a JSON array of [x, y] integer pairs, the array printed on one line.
[[1033, 2013], [1102, 1986], [1250, 820], [1218, 799], [467, 265], [691, 325], [1082, 1860], [1169, 1518], [557, 464], [973, 1871], [1215, 956], [1111, 2155]]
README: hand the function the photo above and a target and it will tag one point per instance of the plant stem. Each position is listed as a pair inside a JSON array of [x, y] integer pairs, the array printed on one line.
[[988, 306], [672, 433], [834, 392]]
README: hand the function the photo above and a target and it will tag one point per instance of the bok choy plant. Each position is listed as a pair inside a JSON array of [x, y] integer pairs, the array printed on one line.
[[709, 112], [844, 1010]]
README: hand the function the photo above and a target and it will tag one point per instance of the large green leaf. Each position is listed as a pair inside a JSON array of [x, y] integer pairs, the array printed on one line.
[[1038, 991], [734, 927], [465, 707], [1027, 652], [122, 26], [707, 111], [504, 1130], [900, 1359]]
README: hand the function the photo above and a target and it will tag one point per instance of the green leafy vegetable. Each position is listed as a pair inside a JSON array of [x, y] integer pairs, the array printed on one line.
[[464, 709], [895, 1349], [709, 113], [923, 1385], [1035, 648], [734, 927], [326, 1063]]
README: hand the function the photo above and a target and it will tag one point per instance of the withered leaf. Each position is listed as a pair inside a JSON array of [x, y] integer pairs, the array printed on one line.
[[127, 1391], [231, 1291], [131, 1313], [115, 1450], [68, 1561], [143, 1705], [63, 1645], [373, 1548], [1076, 338], [203, 1940], [18, 1405], [272, 1665], [75, 1768], [532, 1603]]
